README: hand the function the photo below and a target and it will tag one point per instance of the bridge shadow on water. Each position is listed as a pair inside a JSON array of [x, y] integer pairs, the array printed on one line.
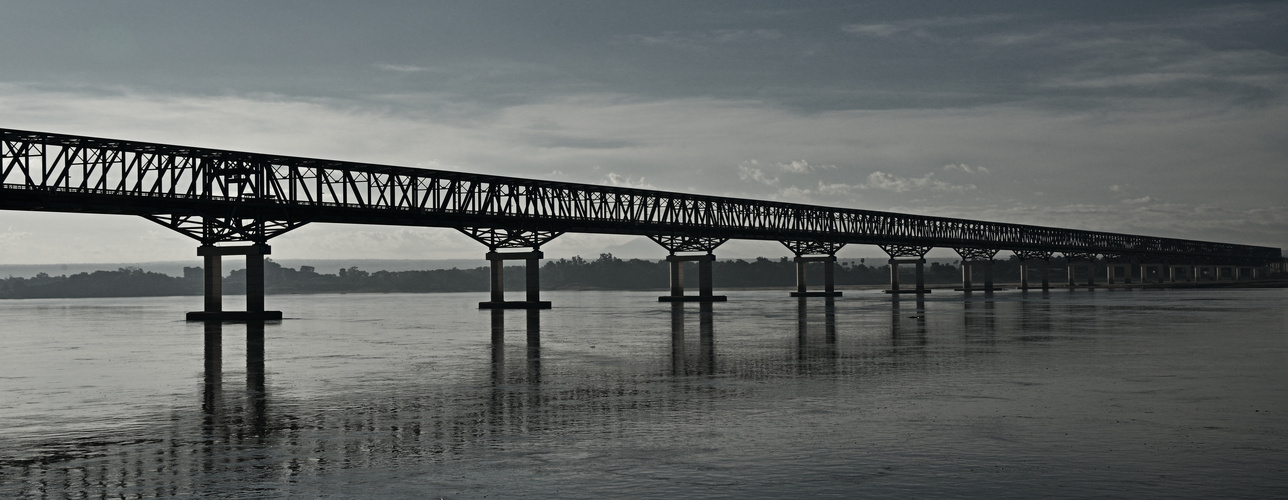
[[244, 434]]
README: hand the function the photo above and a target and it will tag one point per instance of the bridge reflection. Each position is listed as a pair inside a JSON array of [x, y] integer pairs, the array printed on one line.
[[244, 432]]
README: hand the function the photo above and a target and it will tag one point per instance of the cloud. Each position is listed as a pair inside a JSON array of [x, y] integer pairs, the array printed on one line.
[[401, 68], [749, 173], [965, 168], [1138, 201], [703, 40], [921, 27], [802, 166], [614, 179], [890, 182], [751, 170]]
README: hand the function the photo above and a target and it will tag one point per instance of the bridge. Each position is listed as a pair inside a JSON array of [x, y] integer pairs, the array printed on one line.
[[233, 203]]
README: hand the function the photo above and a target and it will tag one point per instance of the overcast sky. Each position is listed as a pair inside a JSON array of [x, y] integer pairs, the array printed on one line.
[[1164, 118]]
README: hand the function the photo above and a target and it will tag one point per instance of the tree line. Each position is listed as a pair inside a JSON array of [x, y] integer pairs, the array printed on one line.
[[606, 272]]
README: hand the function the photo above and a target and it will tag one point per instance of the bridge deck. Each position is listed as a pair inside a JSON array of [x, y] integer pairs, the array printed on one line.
[[260, 196]]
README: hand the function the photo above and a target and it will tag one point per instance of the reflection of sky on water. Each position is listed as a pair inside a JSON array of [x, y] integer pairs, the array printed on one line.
[[762, 395]]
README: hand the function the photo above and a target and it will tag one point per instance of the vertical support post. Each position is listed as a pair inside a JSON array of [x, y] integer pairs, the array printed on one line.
[[1110, 270], [677, 276], [894, 276], [704, 276], [966, 274], [498, 277], [800, 275], [705, 292], [254, 282], [531, 276], [988, 275], [1024, 275], [921, 274], [829, 275], [213, 274], [533, 279], [1073, 273], [1046, 275]]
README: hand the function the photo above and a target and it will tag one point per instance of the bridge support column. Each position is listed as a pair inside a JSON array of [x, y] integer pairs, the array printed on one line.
[[498, 238], [1111, 272], [971, 257], [907, 254], [1029, 258], [213, 274], [705, 287], [1043, 265], [920, 276], [690, 245], [532, 281], [1079, 260], [1159, 272], [829, 276], [814, 251]]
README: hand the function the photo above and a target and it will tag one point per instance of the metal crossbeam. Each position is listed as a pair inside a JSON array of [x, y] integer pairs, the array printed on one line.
[[66, 173]]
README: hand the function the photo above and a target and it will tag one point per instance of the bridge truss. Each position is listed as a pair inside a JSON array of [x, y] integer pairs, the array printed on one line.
[[217, 196]]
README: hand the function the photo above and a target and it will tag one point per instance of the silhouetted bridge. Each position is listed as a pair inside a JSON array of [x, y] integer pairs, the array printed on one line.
[[234, 202]]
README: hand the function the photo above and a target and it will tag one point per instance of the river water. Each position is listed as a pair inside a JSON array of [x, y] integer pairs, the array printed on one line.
[[1165, 393]]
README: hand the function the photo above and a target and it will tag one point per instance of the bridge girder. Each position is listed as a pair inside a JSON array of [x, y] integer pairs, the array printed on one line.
[[65, 173], [905, 251], [496, 238], [675, 244], [212, 230], [807, 247], [973, 254]]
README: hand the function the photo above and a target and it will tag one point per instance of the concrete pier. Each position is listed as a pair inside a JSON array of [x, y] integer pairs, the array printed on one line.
[[829, 276], [1111, 272], [1074, 265], [705, 292], [970, 258], [213, 275], [1043, 265], [920, 275], [532, 281], [968, 270]]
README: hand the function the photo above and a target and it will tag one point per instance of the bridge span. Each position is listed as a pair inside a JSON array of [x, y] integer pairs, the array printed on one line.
[[233, 203]]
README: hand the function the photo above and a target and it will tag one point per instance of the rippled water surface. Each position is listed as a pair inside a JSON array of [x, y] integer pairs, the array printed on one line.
[[1178, 393]]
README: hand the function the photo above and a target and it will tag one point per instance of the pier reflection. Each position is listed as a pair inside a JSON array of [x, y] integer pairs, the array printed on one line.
[[237, 418], [908, 324], [815, 353], [531, 371], [254, 433], [683, 361]]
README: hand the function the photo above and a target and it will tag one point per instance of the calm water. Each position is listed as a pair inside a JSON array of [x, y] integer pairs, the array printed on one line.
[[1105, 393]]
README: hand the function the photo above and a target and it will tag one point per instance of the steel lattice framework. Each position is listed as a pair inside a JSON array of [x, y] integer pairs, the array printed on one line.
[[216, 196]]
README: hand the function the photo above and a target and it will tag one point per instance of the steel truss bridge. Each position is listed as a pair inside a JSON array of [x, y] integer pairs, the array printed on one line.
[[220, 197]]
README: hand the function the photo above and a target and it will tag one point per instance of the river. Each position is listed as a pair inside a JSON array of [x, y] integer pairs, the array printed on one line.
[[1161, 393]]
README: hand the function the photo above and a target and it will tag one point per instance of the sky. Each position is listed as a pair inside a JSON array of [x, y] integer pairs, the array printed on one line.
[[1165, 118]]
